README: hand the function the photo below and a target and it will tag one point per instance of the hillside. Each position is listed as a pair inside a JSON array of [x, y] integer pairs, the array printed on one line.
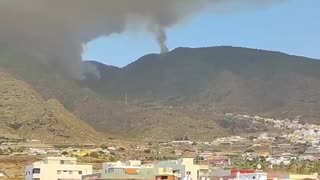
[[106, 115], [25, 114], [185, 92], [224, 79]]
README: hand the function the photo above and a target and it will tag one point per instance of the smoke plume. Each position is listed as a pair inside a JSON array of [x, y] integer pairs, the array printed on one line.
[[56, 30], [161, 38]]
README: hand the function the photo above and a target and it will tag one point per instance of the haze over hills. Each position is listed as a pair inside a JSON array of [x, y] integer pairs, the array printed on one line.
[[183, 92]]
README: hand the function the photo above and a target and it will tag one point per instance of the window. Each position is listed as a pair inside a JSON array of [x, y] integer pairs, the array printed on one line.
[[58, 172], [69, 162], [36, 171], [62, 162], [110, 170], [188, 172], [36, 179], [70, 172], [80, 172]]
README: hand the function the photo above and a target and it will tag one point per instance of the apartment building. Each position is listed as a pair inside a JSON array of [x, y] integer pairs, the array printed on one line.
[[57, 168], [131, 170]]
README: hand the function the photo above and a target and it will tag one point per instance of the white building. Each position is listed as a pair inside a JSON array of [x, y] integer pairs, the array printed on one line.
[[130, 170], [130, 163], [252, 176], [54, 168], [185, 168], [181, 142]]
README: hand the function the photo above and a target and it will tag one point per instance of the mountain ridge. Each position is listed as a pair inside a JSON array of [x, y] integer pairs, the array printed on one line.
[[195, 76], [195, 48], [171, 94]]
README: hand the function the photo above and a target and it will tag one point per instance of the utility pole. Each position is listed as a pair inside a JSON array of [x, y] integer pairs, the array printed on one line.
[[126, 98]]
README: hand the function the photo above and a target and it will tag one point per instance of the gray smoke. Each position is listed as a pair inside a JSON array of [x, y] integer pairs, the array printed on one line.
[[161, 38], [56, 30]]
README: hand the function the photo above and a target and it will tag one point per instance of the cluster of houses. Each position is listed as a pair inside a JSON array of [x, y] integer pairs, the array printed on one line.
[[36, 148], [229, 140], [304, 136], [53, 168], [297, 142], [203, 152], [50, 151], [285, 124]]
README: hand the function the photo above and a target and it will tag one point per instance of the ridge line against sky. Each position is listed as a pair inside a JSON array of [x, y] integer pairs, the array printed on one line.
[[290, 27]]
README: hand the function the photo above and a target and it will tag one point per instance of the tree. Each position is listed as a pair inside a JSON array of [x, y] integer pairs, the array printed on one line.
[[251, 138], [147, 151], [293, 167], [19, 150], [303, 168], [317, 167], [65, 153], [94, 155], [101, 152], [249, 151], [10, 149], [112, 159], [104, 146], [121, 149]]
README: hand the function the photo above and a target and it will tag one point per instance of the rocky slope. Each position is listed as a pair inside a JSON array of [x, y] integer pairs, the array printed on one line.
[[24, 113]]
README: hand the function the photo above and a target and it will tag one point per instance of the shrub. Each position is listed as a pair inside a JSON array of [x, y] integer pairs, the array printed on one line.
[[94, 155], [65, 153], [112, 159]]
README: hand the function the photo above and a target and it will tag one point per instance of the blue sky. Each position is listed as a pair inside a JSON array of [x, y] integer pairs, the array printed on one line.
[[292, 27]]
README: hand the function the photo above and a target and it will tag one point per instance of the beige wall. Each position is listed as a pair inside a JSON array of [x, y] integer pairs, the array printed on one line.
[[49, 170], [301, 176]]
